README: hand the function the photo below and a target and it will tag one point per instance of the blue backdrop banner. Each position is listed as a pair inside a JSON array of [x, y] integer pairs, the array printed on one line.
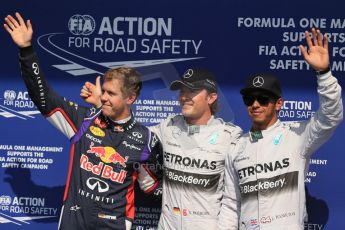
[[78, 40]]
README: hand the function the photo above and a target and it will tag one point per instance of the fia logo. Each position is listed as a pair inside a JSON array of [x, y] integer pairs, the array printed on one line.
[[10, 95], [81, 24]]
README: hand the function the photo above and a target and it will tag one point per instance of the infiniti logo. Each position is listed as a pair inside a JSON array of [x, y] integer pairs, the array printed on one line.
[[137, 135], [188, 73], [35, 67], [92, 111], [258, 81], [94, 183]]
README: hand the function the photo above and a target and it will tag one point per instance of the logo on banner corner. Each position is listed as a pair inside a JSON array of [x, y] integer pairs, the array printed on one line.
[[17, 104], [20, 210]]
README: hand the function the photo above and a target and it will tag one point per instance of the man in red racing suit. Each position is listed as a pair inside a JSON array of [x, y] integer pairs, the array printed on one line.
[[110, 150]]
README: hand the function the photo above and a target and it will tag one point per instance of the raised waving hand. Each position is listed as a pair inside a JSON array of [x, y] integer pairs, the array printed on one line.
[[20, 31], [317, 55]]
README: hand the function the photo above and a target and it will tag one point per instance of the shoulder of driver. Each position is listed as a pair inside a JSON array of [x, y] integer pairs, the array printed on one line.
[[234, 130]]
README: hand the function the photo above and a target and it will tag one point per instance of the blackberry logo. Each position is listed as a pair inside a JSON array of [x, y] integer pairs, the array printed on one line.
[[10, 95], [81, 24]]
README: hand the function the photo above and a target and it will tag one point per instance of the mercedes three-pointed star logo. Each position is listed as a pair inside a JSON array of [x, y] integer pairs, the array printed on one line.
[[258, 81], [188, 73]]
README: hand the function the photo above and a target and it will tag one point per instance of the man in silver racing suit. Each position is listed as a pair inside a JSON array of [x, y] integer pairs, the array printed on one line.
[[271, 161], [195, 145]]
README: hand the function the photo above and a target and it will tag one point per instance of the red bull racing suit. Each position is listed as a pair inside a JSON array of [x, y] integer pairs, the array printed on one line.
[[194, 159], [270, 171], [106, 158]]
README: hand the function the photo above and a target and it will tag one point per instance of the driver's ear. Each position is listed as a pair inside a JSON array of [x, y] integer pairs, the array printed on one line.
[[212, 97], [279, 104], [131, 98]]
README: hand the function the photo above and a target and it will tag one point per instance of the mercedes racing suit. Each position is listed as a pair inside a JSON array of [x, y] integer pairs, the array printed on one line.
[[106, 158], [271, 171], [194, 159]]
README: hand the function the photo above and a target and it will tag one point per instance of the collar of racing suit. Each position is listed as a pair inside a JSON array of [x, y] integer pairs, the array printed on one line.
[[192, 129], [120, 127], [265, 131], [208, 122]]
